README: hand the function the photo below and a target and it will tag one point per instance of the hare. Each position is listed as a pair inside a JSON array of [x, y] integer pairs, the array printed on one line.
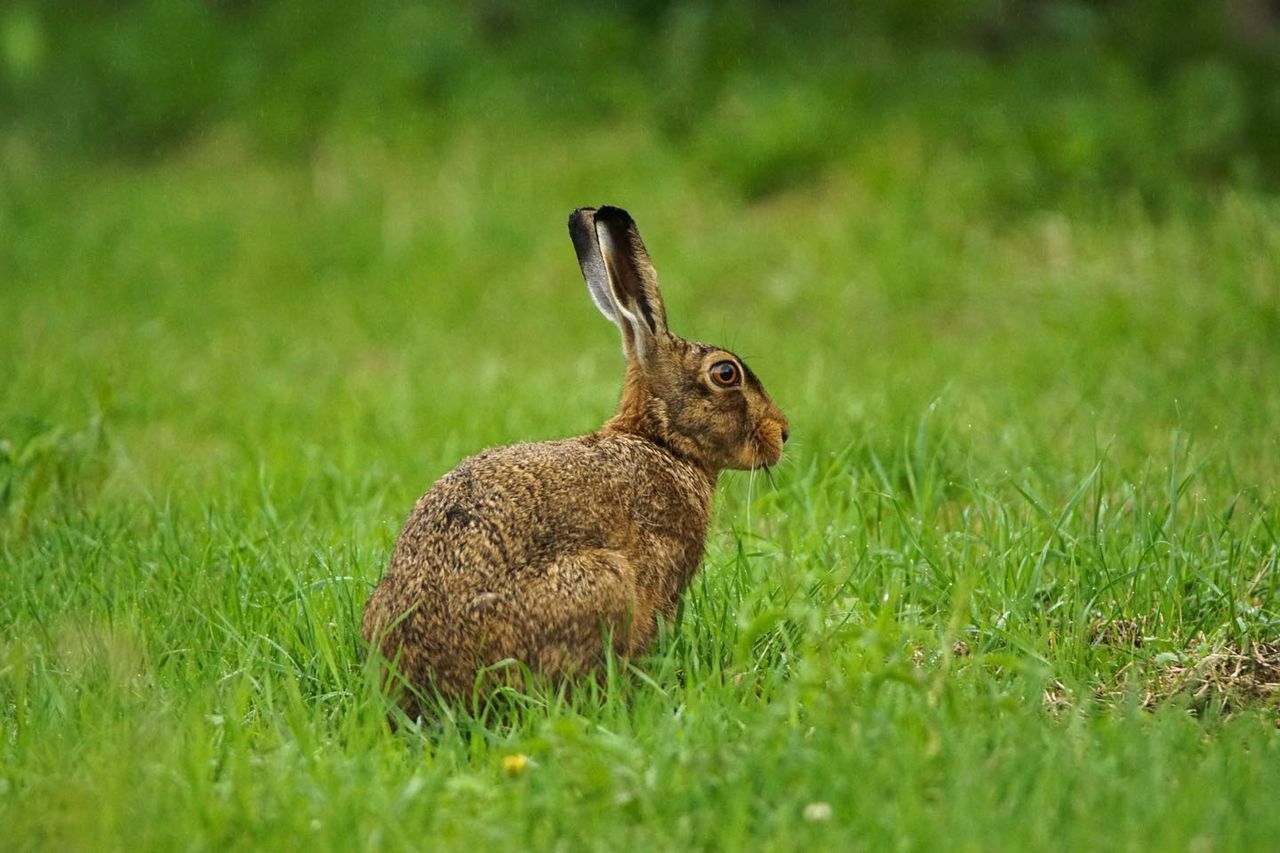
[[547, 553]]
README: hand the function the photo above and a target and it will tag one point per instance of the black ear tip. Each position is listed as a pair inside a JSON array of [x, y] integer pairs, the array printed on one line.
[[615, 215], [581, 216]]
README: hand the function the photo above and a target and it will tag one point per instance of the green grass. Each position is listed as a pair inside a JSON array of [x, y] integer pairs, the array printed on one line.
[[225, 378]]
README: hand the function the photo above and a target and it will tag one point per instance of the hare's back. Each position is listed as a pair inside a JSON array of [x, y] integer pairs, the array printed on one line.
[[525, 503]]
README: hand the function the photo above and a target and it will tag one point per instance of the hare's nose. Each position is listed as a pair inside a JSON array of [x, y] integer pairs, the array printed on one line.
[[786, 433]]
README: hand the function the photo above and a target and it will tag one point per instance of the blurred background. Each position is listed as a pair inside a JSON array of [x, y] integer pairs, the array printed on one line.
[[1063, 98], [239, 233]]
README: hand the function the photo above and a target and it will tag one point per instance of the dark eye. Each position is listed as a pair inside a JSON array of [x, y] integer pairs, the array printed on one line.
[[725, 374]]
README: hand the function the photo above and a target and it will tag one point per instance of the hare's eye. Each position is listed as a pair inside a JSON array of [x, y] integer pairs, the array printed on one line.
[[725, 374]]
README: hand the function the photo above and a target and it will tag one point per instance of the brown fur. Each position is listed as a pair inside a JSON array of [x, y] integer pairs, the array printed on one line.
[[539, 553]]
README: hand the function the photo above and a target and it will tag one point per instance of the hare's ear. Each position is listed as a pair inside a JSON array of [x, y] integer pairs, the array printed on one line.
[[620, 277], [582, 230], [632, 282]]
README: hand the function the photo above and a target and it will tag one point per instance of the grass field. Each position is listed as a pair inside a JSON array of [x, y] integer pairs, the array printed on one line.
[[1016, 586]]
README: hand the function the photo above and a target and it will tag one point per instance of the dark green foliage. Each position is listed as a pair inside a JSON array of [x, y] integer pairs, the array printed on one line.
[[1068, 97]]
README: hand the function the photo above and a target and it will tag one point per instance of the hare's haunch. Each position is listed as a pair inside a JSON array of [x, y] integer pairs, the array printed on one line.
[[542, 553]]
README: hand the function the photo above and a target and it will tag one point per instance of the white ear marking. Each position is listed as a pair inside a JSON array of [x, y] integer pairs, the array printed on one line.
[[582, 231], [609, 252]]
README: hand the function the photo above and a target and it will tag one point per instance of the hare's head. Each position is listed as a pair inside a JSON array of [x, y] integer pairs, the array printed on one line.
[[698, 400]]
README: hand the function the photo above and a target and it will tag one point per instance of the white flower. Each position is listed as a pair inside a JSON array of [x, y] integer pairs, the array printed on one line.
[[817, 812]]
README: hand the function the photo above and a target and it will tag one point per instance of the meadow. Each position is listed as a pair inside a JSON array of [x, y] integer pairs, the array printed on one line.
[[1014, 584]]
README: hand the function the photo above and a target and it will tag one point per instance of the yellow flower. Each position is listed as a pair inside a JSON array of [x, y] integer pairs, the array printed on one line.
[[515, 764]]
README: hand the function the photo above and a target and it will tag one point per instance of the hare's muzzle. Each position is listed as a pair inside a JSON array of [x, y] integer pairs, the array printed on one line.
[[770, 438]]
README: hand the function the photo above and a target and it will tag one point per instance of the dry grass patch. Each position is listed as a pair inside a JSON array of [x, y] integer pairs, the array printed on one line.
[[1227, 677]]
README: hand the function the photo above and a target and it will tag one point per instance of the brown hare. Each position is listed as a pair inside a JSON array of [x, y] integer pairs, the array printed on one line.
[[543, 553]]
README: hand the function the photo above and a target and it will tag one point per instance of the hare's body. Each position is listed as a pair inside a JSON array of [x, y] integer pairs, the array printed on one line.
[[501, 560], [543, 554]]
